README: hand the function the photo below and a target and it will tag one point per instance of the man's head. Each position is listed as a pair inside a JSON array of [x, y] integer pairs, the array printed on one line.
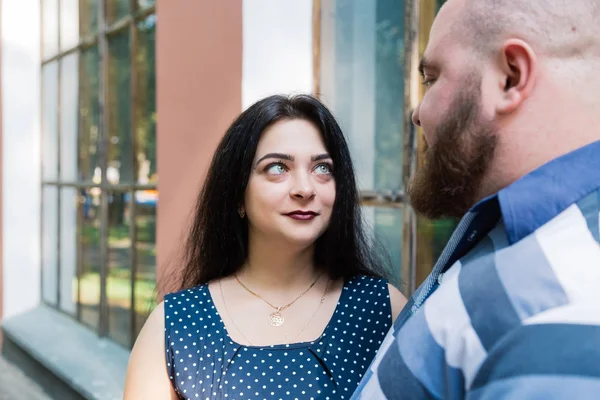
[[511, 84]]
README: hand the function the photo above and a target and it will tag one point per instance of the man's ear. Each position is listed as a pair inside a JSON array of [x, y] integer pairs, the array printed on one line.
[[518, 64]]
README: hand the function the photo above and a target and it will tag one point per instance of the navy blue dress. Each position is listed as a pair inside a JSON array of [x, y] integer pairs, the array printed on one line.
[[204, 363]]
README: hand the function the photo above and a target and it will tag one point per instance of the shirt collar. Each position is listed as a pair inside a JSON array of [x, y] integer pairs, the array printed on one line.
[[541, 195]]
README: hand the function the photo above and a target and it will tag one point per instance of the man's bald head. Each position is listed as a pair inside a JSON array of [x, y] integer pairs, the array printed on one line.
[[554, 28], [535, 63]]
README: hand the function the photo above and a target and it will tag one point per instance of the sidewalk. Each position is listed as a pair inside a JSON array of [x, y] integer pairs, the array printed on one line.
[[14, 385]]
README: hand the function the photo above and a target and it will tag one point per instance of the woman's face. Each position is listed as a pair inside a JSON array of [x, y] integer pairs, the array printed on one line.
[[291, 190]]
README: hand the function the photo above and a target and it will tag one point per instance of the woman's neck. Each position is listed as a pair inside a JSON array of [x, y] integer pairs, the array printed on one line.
[[279, 265]]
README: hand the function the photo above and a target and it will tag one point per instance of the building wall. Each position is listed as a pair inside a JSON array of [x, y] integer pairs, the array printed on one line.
[[215, 59], [21, 166], [199, 75]]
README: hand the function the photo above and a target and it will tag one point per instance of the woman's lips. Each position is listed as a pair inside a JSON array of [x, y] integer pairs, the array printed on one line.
[[302, 215]]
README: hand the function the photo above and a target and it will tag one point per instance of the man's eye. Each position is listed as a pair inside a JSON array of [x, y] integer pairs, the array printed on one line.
[[427, 82]]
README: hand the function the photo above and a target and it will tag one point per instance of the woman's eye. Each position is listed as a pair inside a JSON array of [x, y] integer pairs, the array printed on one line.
[[323, 169], [276, 169]]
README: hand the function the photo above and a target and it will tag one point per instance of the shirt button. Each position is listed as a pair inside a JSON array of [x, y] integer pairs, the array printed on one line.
[[440, 278]]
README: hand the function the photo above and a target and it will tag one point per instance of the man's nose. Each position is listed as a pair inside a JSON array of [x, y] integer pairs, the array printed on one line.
[[415, 116]]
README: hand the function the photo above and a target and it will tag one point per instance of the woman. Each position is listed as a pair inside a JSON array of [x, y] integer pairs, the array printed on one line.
[[280, 297]]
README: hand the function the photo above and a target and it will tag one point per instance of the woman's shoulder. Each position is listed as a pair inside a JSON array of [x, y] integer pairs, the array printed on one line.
[[186, 301], [369, 289], [377, 287], [361, 288], [198, 293], [366, 281]]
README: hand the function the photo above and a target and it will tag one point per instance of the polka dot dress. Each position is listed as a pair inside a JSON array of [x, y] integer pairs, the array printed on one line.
[[204, 363]]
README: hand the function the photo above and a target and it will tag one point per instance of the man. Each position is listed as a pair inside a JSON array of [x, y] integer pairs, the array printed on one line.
[[511, 117]]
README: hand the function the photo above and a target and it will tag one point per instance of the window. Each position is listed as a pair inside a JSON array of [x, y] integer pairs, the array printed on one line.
[[99, 178], [366, 73]]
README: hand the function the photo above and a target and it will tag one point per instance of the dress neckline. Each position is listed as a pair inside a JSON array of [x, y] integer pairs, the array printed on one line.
[[283, 346]]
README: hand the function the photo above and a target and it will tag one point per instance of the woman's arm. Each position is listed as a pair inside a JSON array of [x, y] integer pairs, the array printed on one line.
[[397, 300], [147, 370]]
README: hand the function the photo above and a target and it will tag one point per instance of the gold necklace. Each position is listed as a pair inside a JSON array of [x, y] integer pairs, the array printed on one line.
[[237, 328], [312, 316], [275, 318]]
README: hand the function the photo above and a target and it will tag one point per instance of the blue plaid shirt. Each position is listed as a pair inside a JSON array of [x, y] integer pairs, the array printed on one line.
[[512, 307]]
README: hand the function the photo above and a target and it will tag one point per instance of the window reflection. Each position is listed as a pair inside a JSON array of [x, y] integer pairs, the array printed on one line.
[[69, 87], [120, 146], [69, 199], [432, 237], [50, 244], [146, 104], [89, 231], [362, 80], [89, 113], [386, 226], [118, 284], [69, 24], [49, 28], [50, 121], [89, 17], [89, 242], [145, 247], [116, 9], [145, 3]]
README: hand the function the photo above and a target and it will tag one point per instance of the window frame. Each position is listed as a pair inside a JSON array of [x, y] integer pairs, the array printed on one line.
[[415, 28], [100, 38]]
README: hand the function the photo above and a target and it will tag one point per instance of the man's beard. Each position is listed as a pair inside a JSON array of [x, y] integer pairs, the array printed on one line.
[[449, 183]]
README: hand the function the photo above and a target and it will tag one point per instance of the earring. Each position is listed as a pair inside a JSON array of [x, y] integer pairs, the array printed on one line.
[[242, 213]]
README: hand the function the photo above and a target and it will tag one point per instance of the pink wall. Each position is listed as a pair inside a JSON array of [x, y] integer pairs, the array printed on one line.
[[199, 92]]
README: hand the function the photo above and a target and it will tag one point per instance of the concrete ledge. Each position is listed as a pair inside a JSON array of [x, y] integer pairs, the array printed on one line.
[[14, 384], [92, 367]]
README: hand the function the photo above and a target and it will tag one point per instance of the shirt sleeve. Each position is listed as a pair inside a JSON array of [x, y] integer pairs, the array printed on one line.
[[550, 360]]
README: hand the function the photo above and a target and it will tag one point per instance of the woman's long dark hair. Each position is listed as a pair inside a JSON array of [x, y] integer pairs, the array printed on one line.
[[217, 242]]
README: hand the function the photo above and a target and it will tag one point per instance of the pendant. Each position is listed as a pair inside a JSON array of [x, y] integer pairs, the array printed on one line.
[[276, 319]]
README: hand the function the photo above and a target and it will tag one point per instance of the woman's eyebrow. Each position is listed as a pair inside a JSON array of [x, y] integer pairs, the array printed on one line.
[[280, 156], [320, 157]]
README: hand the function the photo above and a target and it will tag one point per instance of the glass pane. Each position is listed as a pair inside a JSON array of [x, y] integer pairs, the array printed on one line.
[[116, 9], [145, 3], [118, 285], [89, 284], [89, 17], [68, 249], [120, 146], [145, 247], [50, 121], [432, 237], [89, 112], [146, 102], [49, 28], [386, 224], [50, 244], [68, 116], [69, 24], [362, 80]]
